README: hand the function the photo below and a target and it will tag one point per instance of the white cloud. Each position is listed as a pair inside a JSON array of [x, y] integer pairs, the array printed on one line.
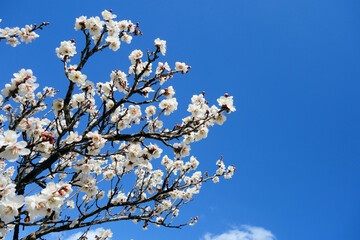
[[244, 233], [90, 235]]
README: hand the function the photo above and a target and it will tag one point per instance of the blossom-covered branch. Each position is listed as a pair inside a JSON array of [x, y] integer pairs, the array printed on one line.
[[26, 34], [103, 152]]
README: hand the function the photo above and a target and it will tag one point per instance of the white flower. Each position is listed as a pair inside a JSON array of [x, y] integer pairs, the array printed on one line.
[[45, 148], [153, 150], [181, 67], [198, 99], [227, 102], [168, 92], [216, 179], [36, 206], [98, 142], [10, 137], [97, 38], [80, 22], [107, 15], [109, 174], [77, 99], [181, 149], [94, 24], [58, 104], [27, 87], [114, 43], [9, 207], [112, 28], [73, 137], [193, 163], [67, 48], [146, 91], [196, 110], [120, 198], [13, 151], [154, 125], [201, 133], [134, 111], [230, 172], [161, 44], [8, 90], [123, 25], [120, 80], [150, 111], [170, 105], [126, 38], [136, 54], [161, 67], [77, 77], [26, 35], [220, 119], [12, 41]]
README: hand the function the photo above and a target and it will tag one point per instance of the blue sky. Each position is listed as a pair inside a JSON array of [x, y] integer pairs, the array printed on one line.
[[293, 69]]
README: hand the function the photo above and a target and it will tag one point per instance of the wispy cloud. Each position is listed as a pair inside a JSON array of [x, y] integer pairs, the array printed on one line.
[[244, 233], [90, 235]]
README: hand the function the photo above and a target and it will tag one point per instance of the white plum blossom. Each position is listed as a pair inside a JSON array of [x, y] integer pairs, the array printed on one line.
[[13, 148], [27, 35], [124, 25], [77, 77], [12, 41], [227, 102], [161, 44], [12, 152], [181, 67], [37, 206], [126, 38], [94, 25], [220, 119], [161, 67], [150, 111], [107, 15], [134, 111], [181, 149], [73, 137], [10, 138], [120, 198], [135, 55], [114, 42], [169, 105], [109, 174], [58, 104], [67, 48], [9, 207], [168, 92], [80, 22]]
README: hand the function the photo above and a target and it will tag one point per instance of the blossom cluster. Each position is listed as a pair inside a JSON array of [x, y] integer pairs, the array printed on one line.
[[116, 30], [48, 201], [14, 36], [9, 201], [11, 148], [115, 153]]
